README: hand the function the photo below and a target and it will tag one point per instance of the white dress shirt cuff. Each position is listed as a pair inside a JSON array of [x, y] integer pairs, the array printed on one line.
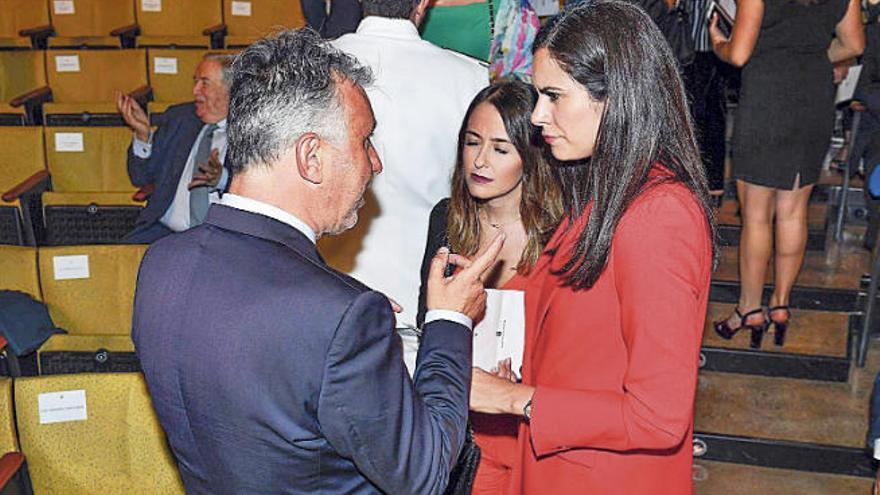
[[141, 149], [453, 316], [877, 448]]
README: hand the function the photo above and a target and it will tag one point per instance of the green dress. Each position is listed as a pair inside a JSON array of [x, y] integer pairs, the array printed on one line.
[[463, 28]]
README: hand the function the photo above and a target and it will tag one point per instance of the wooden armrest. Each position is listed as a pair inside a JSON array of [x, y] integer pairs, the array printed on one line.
[[10, 463], [218, 29], [130, 30], [26, 185], [142, 95], [145, 192], [38, 31], [40, 94]]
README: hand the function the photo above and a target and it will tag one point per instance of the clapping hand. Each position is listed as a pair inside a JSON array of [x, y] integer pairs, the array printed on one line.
[[134, 115], [209, 173]]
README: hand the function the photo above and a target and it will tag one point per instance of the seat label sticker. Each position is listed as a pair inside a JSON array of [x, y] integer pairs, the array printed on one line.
[[66, 63], [165, 65], [151, 5], [71, 267], [61, 407], [69, 142], [64, 7], [241, 8]]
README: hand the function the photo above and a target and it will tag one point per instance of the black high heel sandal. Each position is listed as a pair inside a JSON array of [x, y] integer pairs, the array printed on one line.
[[722, 328], [781, 326]]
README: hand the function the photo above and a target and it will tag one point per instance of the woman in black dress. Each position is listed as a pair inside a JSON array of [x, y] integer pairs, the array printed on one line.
[[782, 131]]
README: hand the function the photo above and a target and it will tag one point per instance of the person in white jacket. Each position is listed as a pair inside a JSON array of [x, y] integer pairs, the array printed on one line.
[[419, 98]]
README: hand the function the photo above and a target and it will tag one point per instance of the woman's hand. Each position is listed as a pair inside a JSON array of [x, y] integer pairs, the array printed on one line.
[[716, 36], [495, 395], [505, 370]]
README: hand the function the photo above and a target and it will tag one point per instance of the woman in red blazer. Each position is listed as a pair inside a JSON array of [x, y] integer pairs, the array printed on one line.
[[615, 306]]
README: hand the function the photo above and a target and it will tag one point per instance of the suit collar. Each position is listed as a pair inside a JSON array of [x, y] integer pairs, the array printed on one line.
[[262, 227]]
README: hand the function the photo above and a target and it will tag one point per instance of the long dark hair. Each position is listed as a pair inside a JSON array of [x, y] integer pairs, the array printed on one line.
[[540, 207], [615, 51]]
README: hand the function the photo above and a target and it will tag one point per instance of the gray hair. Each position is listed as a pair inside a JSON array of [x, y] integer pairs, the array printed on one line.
[[225, 60], [282, 87]]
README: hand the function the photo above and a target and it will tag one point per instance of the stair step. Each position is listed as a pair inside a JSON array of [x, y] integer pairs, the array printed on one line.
[[784, 409], [817, 333], [712, 478]]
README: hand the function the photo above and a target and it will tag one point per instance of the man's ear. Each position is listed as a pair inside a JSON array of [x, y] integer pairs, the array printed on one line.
[[308, 160], [418, 14]]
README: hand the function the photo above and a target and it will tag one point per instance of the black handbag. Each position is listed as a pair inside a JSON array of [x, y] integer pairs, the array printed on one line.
[[461, 479], [675, 25]]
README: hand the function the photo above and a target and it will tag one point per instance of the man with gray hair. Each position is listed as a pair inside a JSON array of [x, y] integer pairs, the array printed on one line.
[[279, 374], [184, 159]]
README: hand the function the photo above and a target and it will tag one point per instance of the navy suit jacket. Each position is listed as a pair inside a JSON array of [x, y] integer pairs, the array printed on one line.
[[278, 374], [172, 143]]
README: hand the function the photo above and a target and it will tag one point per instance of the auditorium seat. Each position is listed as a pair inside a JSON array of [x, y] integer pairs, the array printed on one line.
[[247, 21], [91, 201], [92, 23], [14, 478], [180, 24], [89, 291], [24, 24], [83, 84], [171, 76], [23, 88], [23, 177], [108, 442], [18, 270]]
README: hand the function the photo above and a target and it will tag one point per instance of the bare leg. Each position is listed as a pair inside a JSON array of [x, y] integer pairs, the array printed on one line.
[[791, 240], [755, 246]]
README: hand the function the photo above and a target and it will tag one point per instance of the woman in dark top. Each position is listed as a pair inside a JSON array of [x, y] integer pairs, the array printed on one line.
[[501, 183], [782, 131]]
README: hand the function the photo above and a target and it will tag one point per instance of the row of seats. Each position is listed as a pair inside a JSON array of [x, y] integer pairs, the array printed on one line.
[[83, 434], [66, 185], [89, 292], [144, 23], [76, 87]]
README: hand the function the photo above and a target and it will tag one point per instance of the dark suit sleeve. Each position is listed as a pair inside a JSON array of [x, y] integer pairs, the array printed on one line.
[[436, 240], [404, 438]]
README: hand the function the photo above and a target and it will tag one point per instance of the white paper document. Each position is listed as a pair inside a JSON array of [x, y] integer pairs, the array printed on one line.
[[501, 333], [151, 5], [67, 63], [60, 407], [241, 9], [71, 267], [165, 65], [63, 7], [847, 88], [69, 142]]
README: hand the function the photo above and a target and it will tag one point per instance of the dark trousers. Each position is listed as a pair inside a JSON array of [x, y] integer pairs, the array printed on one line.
[[705, 82]]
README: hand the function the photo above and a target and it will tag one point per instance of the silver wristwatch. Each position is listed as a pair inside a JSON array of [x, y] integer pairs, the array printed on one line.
[[527, 410]]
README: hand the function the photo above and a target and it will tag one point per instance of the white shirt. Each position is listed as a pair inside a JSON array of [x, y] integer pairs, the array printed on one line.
[[419, 98], [176, 217], [254, 206]]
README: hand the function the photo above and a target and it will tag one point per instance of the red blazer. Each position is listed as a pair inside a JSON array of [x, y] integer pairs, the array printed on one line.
[[615, 366]]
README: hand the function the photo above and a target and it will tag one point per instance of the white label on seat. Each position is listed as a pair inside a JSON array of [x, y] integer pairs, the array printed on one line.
[[69, 142], [241, 8], [165, 65], [61, 407], [64, 7], [151, 5], [71, 267], [66, 63]]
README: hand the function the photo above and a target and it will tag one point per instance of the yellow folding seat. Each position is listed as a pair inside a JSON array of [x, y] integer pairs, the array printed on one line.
[[23, 87], [107, 441], [24, 23], [83, 84], [92, 199], [18, 271], [92, 23], [179, 23], [247, 21], [89, 291], [14, 478], [23, 177]]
